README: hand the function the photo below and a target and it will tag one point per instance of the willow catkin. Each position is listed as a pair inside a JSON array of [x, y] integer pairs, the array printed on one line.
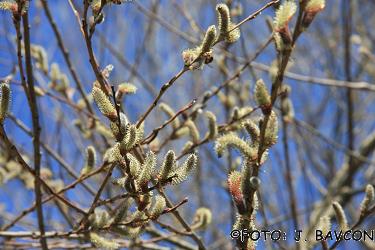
[[340, 216], [232, 140], [104, 105], [212, 125], [208, 39], [168, 165], [368, 199], [4, 101], [202, 218], [158, 207]]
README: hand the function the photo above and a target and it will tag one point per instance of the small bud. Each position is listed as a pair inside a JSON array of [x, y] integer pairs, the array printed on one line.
[[312, 8], [202, 218], [255, 182], [125, 89], [5, 100]]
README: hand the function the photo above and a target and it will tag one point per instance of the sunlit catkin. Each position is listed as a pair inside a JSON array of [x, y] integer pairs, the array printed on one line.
[[168, 165], [212, 125], [225, 26], [104, 104], [183, 172], [158, 207], [4, 100], [209, 39], [232, 140]]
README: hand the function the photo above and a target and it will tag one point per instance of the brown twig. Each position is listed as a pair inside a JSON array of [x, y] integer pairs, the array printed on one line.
[[36, 127]]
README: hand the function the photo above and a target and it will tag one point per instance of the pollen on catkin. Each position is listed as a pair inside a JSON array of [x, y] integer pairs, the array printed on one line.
[[5, 100]]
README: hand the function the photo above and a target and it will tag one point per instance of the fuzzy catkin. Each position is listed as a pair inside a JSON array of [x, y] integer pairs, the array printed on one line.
[[261, 94], [104, 105], [194, 132], [212, 125], [90, 160], [232, 140], [4, 101], [202, 218], [368, 199], [170, 113], [284, 13], [168, 165], [101, 242], [340, 216], [208, 39], [158, 207], [182, 173]]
